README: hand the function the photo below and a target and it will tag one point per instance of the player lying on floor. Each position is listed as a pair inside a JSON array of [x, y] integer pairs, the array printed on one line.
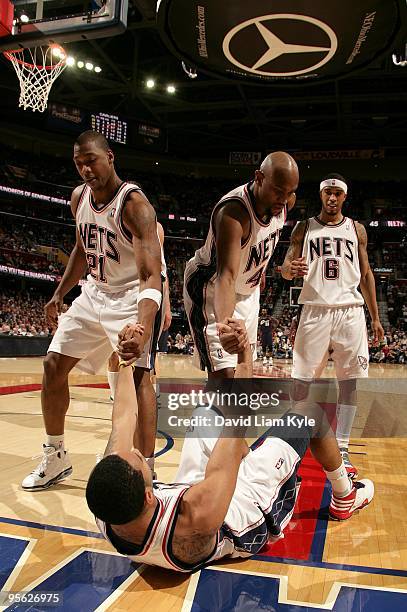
[[226, 500]]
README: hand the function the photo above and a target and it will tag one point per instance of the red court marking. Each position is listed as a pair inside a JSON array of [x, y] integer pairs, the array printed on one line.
[[9, 390], [299, 533], [94, 385], [19, 389]]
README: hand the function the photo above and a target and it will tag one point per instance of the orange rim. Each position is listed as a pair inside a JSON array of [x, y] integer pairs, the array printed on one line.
[[11, 55]]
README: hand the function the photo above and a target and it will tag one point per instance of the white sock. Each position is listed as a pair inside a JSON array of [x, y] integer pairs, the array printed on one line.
[[345, 416], [339, 479], [56, 441], [112, 380]]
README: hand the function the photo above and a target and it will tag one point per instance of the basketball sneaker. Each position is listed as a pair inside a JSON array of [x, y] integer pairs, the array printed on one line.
[[342, 508], [352, 471], [55, 465], [265, 361], [270, 363]]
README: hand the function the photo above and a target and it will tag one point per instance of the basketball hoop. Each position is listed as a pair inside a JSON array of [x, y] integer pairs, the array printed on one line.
[[37, 68]]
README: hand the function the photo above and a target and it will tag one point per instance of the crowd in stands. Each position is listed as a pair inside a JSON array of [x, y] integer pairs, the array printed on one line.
[[56, 176], [393, 349], [21, 239], [180, 343], [22, 314], [397, 305]]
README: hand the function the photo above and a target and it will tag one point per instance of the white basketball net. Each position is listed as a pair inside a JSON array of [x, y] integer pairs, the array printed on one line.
[[37, 69]]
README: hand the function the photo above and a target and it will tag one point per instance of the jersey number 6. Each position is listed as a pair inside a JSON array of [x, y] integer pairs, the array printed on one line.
[[331, 269]]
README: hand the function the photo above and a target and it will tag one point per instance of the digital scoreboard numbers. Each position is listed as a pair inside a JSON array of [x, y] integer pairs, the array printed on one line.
[[113, 128]]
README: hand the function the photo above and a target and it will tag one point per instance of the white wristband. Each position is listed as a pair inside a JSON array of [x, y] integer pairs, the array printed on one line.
[[150, 294]]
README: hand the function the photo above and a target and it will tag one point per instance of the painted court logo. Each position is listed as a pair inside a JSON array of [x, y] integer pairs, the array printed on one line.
[[362, 361]]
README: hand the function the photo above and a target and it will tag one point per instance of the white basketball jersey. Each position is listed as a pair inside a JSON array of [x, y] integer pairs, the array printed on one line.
[[242, 534], [331, 253], [255, 252], [107, 242], [156, 548]]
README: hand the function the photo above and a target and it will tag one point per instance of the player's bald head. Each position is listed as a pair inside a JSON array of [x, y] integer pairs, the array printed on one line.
[[92, 137], [279, 165], [275, 182]]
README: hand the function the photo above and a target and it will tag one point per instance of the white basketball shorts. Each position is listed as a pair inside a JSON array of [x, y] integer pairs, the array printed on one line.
[[89, 329], [209, 353], [321, 328]]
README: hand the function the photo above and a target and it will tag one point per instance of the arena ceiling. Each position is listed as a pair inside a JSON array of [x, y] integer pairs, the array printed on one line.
[[212, 116]]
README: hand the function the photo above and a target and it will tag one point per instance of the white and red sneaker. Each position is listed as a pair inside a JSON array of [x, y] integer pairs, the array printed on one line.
[[352, 471], [342, 508]]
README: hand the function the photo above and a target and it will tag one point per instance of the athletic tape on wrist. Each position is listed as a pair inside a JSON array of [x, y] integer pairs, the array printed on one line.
[[150, 294], [334, 183], [124, 364]]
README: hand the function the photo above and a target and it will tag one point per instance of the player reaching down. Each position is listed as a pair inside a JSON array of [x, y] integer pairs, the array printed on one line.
[[223, 278]]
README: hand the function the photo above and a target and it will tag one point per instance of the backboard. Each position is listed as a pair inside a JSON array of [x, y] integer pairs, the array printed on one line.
[[39, 22]]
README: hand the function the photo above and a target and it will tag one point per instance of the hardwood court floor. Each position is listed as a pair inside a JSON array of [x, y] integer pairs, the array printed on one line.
[[48, 539]]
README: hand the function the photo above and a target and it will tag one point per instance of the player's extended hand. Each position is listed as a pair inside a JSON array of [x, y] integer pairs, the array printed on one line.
[[52, 309], [298, 267], [233, 335], [378, 331], [131, 342]]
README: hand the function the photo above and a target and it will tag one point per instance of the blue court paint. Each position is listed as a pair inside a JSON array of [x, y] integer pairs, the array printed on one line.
[[219, 591], [45, 527], [11, 550], [168, 446], [85, 582]]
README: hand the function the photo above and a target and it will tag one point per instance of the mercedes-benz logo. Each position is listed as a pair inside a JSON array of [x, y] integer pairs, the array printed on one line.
[[277, 47]]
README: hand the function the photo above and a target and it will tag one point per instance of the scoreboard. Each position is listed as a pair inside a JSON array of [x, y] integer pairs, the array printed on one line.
[[111, 126]]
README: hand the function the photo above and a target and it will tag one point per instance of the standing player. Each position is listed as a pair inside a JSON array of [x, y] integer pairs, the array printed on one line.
[[222, 280], [266, 335], [330, 252], [117, 241]]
